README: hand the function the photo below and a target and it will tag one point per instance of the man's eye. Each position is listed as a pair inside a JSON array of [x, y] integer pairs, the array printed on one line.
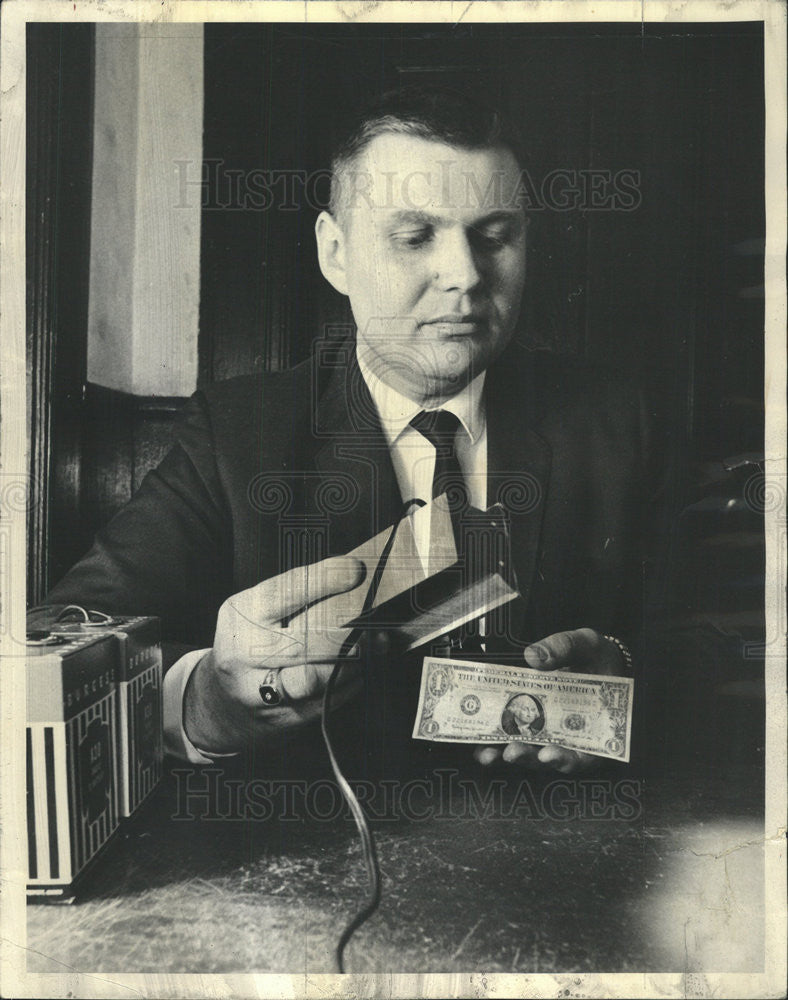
[[412, 238], [491, 239]]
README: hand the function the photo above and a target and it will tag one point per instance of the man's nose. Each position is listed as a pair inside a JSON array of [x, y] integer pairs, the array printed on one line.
[[456, 267]]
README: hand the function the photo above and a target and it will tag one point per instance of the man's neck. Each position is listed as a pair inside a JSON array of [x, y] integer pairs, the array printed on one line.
[[396, 409], [428, 393]]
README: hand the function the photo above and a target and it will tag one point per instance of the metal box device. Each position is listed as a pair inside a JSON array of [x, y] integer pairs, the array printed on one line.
[[139, 679], [140, 744], [71, 758]]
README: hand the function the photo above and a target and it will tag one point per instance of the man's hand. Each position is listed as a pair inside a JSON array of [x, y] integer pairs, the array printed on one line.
[[583, 651], [277, 634]]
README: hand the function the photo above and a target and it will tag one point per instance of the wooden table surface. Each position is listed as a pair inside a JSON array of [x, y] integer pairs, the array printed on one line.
[[673, 884]]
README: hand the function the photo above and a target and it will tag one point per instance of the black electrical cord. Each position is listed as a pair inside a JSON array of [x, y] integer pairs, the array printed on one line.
[[367, 840]]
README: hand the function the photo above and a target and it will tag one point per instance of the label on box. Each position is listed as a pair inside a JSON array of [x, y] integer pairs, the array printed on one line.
[[95, 770]]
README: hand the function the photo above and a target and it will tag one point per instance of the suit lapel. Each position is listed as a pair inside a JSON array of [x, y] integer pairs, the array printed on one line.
[[518, 468], [359, 490]]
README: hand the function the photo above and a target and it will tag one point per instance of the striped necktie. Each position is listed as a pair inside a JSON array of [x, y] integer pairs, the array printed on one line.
[[439, 427]]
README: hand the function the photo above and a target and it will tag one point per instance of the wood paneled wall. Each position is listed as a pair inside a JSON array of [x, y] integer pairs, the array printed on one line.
[[59, 158]]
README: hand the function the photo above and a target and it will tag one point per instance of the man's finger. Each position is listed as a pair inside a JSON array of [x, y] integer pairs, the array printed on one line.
[[285, 595], [563, 760], [520, 753], [562, 649], [486, 755], [309, 680], [274, 646]]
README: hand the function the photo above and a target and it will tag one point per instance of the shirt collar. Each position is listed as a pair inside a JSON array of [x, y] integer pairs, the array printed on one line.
[[396, 411]]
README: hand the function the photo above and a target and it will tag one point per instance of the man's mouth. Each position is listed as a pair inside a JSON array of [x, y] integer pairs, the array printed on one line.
[[455, 324]]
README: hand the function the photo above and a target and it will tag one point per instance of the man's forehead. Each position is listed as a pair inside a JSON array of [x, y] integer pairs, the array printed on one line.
[[399, 174], [440, 220]]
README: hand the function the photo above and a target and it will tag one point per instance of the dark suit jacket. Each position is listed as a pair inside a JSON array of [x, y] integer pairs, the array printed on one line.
[[277, 470]]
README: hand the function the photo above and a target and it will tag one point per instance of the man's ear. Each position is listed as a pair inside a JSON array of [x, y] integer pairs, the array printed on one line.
[[331, 251]]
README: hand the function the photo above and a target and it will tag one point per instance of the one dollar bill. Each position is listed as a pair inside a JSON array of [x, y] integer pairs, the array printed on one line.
[[465, 702]]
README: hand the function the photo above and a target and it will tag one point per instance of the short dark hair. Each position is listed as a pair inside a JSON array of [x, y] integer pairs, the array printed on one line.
[[443, 114]]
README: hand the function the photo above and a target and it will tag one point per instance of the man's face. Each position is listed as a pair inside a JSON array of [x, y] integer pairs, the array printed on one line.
[[433, 259], [524, 711]]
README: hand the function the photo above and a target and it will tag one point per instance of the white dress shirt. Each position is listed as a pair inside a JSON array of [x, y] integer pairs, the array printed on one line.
[[413, 458], [412, 455]]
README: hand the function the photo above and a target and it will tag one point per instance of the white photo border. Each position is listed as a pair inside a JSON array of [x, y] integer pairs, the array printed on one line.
[[13, 463]]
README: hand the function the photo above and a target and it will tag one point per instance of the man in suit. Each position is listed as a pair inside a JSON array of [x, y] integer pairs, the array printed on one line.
[[227, 540]]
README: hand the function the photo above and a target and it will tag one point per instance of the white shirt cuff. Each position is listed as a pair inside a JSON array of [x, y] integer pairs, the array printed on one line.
[[176, 742]]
